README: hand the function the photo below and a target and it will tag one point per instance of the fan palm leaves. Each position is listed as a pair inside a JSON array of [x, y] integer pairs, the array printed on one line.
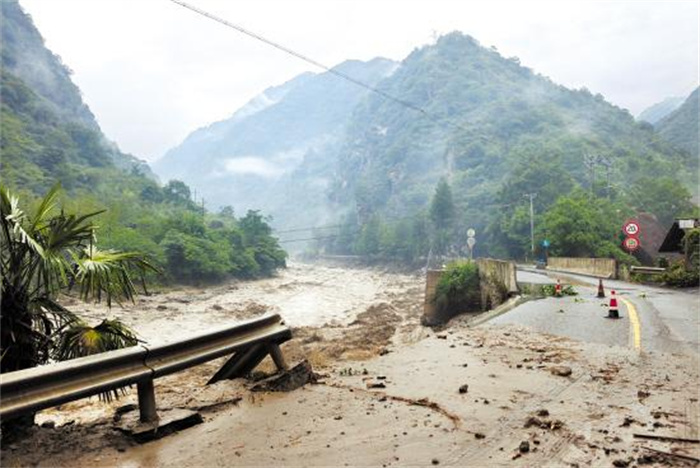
[[42, 254]]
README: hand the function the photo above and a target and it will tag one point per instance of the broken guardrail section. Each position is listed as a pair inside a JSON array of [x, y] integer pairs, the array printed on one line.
[[38, 388]]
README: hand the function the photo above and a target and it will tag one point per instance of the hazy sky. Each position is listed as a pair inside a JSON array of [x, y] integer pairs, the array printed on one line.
[[152, 71]]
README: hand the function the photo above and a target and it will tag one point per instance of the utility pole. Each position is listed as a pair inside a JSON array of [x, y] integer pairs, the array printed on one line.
[[532, 196], [589, 161]]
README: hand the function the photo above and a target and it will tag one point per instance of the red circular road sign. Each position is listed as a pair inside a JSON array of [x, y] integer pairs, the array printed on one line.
[[631, 244], [631, 227]]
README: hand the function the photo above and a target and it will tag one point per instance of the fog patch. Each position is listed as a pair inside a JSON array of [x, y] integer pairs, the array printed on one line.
[[252, 165]]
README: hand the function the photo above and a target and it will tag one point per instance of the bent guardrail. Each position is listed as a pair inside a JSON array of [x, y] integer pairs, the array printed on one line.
[[38, 388]]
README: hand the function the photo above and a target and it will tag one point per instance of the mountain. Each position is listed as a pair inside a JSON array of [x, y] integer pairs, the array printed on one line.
[[49, 133], [324, 150], [280, 147], [681, 127], [658, 111], [485, 118]]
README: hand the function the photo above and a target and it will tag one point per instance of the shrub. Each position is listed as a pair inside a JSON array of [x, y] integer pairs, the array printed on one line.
[[458, 288]]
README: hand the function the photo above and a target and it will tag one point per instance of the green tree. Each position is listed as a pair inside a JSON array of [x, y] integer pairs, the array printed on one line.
[[177, 192], [442, 216], [442, 207], [580, 226], [43, 254], [663, 197]]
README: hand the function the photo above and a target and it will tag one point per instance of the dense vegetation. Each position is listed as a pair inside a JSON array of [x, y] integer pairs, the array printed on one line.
[[495, 132], [458, 289], [682, 126], [42, 254], [492, 131], [278, 147], [49, 135], [658, 111]]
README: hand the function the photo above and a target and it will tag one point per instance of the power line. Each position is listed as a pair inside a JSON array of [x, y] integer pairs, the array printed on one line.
[[307, 239], [311, 228], [317, 64]]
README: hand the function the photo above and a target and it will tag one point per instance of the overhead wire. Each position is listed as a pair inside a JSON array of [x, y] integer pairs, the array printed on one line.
[[317, 64]]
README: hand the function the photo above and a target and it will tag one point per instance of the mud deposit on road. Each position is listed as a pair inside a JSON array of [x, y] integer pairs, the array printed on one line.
[[391, 394]]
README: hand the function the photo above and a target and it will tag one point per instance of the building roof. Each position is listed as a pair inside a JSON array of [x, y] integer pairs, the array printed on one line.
[[673, 242]]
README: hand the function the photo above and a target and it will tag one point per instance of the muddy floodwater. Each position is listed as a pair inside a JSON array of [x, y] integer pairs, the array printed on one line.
[[305, 296], [390, 392]]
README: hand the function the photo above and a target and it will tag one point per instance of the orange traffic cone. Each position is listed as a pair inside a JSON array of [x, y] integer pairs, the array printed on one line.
[[613, 313], [557, 288], [601, 291]]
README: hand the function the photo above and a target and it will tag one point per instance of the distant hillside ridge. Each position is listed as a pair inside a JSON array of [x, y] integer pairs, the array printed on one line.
[[279, 147], [658, 111], [681, 127]]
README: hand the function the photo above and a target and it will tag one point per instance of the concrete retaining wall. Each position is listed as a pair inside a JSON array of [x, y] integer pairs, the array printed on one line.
[[497, 282], [429, 310], [598, 267], [503, 271]]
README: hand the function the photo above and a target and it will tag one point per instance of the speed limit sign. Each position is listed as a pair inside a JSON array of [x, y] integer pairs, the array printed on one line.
[[631, 227], [631, 244]]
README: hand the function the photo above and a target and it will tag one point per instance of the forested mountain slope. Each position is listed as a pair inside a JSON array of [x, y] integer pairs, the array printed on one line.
[[681, 127], [278, 148], [48, 131], [49, 136], [488, 116], [491, 128], [496, 130], [658, 111]]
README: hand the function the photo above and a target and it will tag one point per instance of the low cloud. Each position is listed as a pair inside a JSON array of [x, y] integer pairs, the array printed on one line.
[[252, 165]]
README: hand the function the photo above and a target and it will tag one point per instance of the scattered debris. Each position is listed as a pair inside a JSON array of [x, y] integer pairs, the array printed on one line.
[[533, 421], [666, 438], [562, 371], [620, 463], [169, 421], [675, 455], [371, 384], [296, 377]]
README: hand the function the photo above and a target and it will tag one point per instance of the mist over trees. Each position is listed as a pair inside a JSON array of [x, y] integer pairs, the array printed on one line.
[[49, 134]]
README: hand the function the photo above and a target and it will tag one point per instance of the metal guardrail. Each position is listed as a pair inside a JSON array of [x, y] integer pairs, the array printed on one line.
[[38, 388], [647, 270]]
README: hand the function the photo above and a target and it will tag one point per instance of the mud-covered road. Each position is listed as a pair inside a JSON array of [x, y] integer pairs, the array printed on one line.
[[392, 393]]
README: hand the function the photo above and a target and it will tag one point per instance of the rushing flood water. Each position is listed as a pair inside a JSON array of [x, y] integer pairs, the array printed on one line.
[[304, 295]]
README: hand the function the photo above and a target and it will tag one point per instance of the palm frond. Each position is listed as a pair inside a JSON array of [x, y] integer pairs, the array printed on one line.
[[15, 218], [109, 273], [81, 340], [47, 205]]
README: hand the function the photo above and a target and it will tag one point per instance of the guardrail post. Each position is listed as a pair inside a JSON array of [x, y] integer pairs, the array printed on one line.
[[147, 401], [276, 354]]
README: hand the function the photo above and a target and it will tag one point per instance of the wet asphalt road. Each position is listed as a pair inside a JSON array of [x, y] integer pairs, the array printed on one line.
[[661, 319]]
